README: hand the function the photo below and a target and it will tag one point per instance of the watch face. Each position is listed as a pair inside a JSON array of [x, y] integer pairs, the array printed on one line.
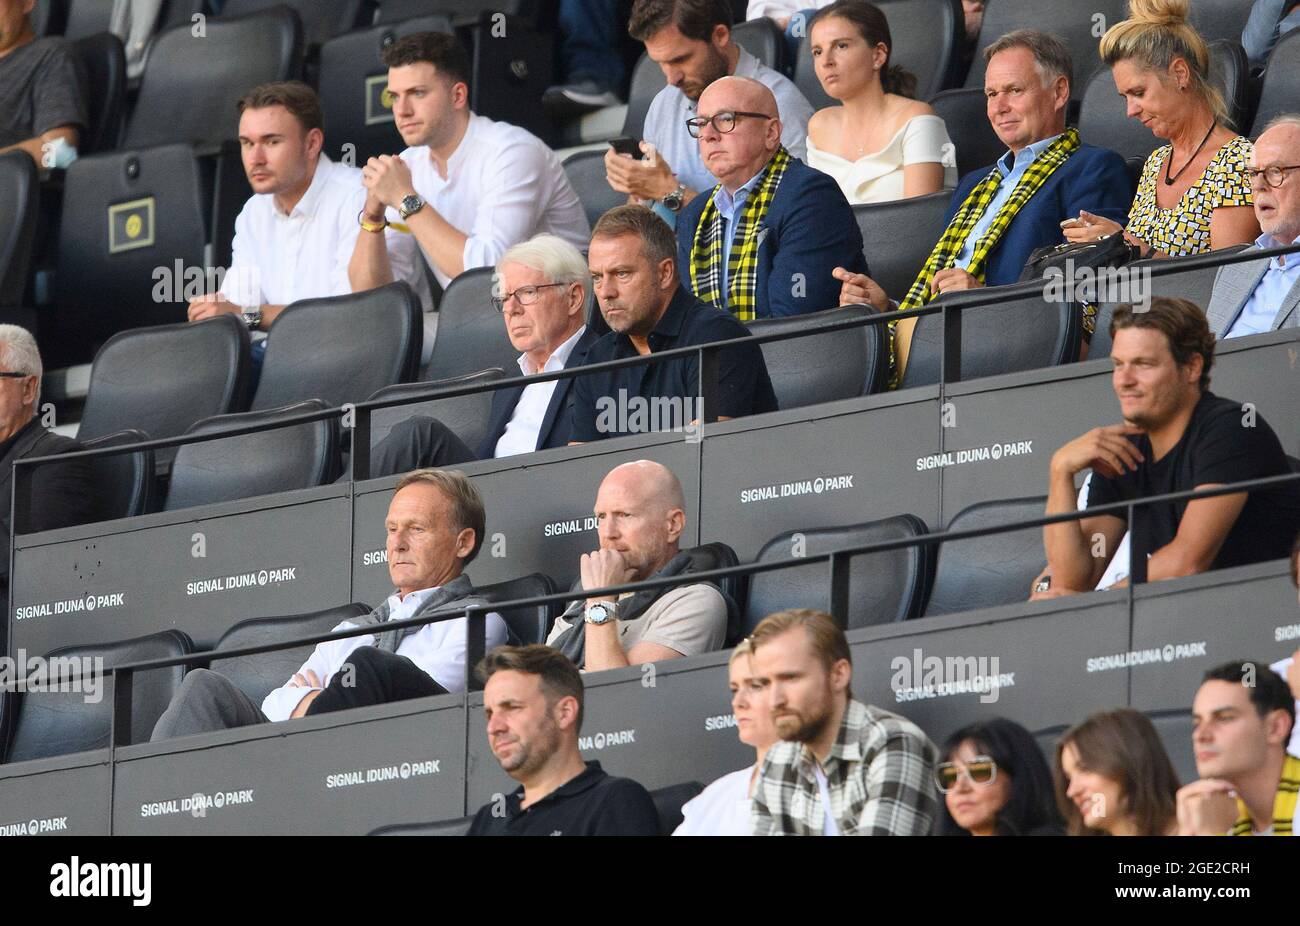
[[411, 204]]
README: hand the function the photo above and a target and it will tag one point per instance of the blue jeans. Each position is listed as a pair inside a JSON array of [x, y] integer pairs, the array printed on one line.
[[589, 39]]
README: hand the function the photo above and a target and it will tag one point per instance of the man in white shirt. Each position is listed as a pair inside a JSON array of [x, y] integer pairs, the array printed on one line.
[[435, 528], [691, 42], [543, 297], [467, 187], [295, 235]]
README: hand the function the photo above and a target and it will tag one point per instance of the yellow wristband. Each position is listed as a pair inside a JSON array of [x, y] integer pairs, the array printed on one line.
[[370, 226]]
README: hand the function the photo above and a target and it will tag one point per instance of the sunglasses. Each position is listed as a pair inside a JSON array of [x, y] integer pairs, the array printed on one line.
[[981, 770]]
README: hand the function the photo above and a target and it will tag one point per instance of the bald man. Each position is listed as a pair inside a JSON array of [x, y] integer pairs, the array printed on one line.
[[762, 243], [640, 515]]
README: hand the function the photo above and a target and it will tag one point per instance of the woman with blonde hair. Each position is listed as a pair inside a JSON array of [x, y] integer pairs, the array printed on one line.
[[879, 144], [1194, 195]]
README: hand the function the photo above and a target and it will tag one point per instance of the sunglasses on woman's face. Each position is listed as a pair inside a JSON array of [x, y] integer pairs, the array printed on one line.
[[981, 770]]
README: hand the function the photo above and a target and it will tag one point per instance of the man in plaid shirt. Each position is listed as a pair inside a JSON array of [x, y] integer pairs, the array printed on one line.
[[842, 767]]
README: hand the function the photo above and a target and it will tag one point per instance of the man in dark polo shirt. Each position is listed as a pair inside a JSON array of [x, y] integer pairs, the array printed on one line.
[[1176, 436], [633, 266], [533, 700], [41, 100]]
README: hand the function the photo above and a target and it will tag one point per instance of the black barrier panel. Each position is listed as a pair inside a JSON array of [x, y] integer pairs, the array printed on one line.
[[939, 671], [660, 724], [200, 571], [1181, 627], [845, 463], [67, 796], [1003, 430], [342, 774], [538, 515]]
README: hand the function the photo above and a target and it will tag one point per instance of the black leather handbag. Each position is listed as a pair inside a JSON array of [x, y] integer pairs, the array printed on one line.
[[1111, 251]]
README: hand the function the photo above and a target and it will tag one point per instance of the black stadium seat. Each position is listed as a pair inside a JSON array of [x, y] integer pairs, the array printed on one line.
[[1175, 730], [760, 37], [883, 587], [471, 334], [322, 20], [179, 102], [669, 802], [1074, 23], [342, 348], [1281, 87], [1219, 19], [19, 202], [1102, 113], [87, 17], [260, 674], [710, 556], [526, 624], [261, 463], [1045, 334], [993, 570], [56, 723], [162, 380], [822, 368], [103, 63], [965, 115], [466, 415], [898, 236], [124, 482], [586, 172], [352, 90], [131, 241]]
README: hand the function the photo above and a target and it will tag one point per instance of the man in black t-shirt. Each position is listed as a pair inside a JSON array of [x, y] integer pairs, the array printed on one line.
[[1176, 436], [533, 700]]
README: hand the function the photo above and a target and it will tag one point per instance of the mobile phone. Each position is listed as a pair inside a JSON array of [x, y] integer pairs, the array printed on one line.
[[625, 144]]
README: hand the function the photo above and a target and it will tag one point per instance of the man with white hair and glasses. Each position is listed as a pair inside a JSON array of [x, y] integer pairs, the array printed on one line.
[[61, 494]]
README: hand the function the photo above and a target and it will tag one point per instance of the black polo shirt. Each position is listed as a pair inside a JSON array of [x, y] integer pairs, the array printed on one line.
[[592, 804], [602, 405]]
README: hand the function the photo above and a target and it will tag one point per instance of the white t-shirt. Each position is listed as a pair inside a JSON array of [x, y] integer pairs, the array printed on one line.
[[1280, 667], [503, 186], [278, 259], [877, 177], [721, 809]]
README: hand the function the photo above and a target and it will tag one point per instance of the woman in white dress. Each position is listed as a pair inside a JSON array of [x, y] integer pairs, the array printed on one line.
[[722, 809], [879, 144]]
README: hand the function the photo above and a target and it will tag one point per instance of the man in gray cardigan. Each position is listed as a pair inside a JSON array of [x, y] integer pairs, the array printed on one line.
[[435, 527], [1264, 295]]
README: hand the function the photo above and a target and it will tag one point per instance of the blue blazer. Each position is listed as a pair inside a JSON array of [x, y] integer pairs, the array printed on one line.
[[809, 231], [558, 422], [1094, 179]]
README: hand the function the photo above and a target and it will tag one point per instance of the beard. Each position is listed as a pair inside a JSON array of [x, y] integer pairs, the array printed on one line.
[[531, 753], [800, 728], [714, 68]]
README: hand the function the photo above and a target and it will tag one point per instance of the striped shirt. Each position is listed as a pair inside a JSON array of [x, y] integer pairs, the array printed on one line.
[[879, 777]]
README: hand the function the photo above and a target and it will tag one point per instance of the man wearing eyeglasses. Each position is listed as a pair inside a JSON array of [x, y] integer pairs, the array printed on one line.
[[61, 493], [541, 294], [764, 241], [1264, 295]]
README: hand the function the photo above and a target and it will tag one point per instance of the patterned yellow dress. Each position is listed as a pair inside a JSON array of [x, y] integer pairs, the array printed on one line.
[[1185, 229]]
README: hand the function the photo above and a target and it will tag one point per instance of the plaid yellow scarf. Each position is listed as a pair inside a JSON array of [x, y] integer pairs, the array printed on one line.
[[742, 259], [968, 215], [1284, 803]]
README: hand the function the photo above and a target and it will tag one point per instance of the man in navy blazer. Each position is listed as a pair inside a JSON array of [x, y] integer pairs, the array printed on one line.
[[808, 229], [1027, 89], [541, 293]]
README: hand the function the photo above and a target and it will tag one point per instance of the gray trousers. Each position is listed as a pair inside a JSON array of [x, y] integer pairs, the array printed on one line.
[[206, 701]]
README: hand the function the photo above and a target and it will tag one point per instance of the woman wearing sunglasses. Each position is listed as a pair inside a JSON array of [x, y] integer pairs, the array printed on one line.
[[1113, 777], [995, 782]]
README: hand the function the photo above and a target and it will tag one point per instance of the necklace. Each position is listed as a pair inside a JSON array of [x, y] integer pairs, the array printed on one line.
[[1169, 181]]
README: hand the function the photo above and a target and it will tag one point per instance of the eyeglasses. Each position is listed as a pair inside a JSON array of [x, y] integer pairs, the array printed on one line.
[[723, 122], [1273, 176], [524, 295], [981, 770], [14, 375]]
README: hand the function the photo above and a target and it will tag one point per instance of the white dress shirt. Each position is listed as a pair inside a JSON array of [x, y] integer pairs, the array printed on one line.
[[503, 186], [438, 649], [524, 426], [278, 259], [721, 809]]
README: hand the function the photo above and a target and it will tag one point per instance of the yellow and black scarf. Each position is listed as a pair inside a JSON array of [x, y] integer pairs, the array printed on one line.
[[972, 209], [742, 257], [1284, 803]]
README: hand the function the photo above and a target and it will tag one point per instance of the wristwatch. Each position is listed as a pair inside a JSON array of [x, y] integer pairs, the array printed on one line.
[[1043, 585], [253, 318], [601, 612], [411, 205], [673, 201]]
